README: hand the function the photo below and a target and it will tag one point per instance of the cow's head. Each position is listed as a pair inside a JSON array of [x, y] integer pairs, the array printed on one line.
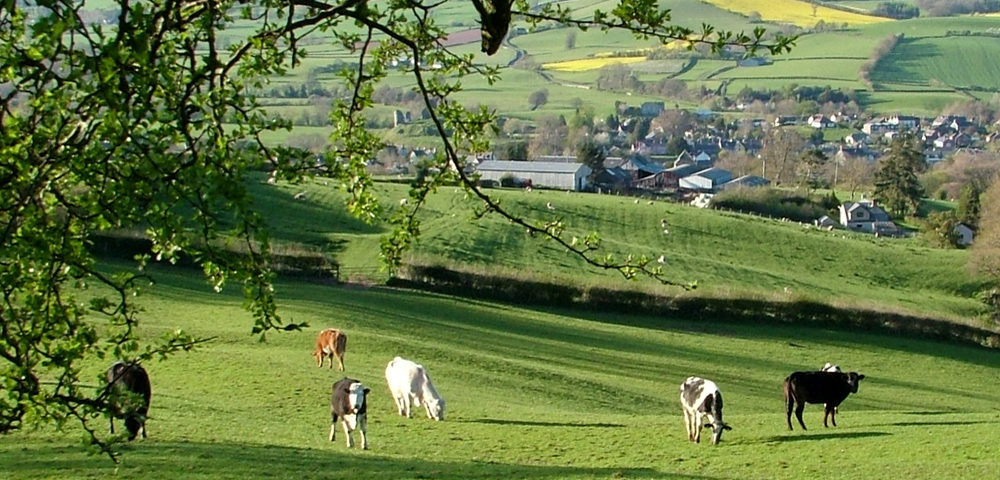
[[852, 379], [436, 408], [717, 428], [356, 396]]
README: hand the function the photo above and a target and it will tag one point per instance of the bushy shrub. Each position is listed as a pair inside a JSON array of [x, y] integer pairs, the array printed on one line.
[[772, 203]]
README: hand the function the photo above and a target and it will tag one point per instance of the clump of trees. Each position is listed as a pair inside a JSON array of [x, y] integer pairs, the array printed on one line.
[[775, 203], [881, 50], [897, 10], [945, 8]]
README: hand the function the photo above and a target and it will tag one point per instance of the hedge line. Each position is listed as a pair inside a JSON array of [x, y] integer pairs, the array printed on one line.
[[315, 267], [734, 310]]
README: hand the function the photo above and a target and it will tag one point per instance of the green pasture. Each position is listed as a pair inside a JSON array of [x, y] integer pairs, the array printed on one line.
[[914, 102], [947, 61], [813, 70], [728, 254], [546, 394]]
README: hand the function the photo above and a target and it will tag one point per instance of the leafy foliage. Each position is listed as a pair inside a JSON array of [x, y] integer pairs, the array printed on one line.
[[150, 124]]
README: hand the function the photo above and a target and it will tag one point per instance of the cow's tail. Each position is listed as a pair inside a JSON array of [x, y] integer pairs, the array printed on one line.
[[789, 394]]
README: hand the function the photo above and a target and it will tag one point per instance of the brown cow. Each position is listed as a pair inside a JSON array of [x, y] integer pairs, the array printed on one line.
[[330, 343]]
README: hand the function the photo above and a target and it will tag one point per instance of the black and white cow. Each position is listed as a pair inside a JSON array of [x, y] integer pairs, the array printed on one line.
[[349, 403], [129, 392], [828, 388], [701, 398]]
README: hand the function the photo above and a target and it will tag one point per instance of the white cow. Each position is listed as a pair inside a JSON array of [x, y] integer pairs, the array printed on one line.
[[701, 398], [410, 384]]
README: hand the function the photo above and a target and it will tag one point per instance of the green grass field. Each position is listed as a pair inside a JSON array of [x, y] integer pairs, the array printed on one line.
[[530, 394], [729, 255]]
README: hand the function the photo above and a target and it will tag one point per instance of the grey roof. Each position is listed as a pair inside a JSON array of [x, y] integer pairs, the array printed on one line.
[[684, 170], [537, 167], [749, 181], [713, 174]]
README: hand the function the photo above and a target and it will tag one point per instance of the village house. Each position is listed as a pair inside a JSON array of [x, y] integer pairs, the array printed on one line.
[[820, 121], [865, 216]]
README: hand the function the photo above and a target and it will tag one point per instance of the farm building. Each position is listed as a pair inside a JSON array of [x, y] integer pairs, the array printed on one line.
[[746, 181], [707, 180], [565, 175]]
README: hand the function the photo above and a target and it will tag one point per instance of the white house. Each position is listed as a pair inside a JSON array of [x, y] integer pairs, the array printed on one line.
[[564, 175], [864, 215]]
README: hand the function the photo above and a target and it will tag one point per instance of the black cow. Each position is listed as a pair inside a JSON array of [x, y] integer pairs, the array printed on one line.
[[350, 404], [129, 392], [829, 388]]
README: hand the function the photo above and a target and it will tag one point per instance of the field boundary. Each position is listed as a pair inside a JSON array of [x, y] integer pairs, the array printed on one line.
[[736, 310]]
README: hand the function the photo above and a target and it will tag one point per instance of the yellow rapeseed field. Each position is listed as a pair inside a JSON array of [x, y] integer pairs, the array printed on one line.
[[803, 14], [584, 64]]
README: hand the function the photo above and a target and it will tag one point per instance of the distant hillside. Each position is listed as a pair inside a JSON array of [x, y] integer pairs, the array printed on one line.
[[729, 255]]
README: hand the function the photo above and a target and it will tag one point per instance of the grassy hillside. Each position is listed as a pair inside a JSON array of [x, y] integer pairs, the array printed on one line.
[[530, 394], [729, 255]]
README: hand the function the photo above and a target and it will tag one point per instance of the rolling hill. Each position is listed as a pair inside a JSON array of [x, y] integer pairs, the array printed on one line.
[[531, 393], [729, 255]]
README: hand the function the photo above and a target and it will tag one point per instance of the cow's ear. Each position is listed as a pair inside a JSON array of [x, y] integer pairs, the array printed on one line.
[[861, 377], [727, 427], [367, 390]]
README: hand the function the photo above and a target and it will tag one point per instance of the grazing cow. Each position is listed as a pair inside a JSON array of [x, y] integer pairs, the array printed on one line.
[[701, 398], [408, 383], [330, 343], [829, 388], [349, 403], [129, 392]]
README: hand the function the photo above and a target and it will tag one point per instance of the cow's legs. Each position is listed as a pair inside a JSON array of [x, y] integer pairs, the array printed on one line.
[[798, 414], [399, 403], [687, 425], [363, 428], [406, 405], [697, 427], [829, 412], [347, 433], [333, 428], [340, 360], [789, 406]]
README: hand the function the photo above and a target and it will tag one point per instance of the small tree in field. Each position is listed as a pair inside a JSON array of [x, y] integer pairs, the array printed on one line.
[[538, 98]]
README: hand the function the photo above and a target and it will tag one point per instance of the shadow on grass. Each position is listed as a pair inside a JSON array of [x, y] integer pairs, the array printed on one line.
[[925, 424], [224, 460], [800, 437], [496, 421]]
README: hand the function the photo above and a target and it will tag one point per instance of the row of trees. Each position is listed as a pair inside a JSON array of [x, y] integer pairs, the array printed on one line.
[[945, 8]]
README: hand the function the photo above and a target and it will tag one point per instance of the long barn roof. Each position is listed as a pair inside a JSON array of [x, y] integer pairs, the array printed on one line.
[[535, 167]]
